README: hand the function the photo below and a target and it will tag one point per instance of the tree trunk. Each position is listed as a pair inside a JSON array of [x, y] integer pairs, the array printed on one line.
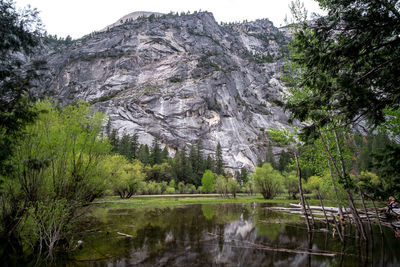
[[377, 216], [349, 196], [323, 209], [353, 209], [301, 191], [312, 215]]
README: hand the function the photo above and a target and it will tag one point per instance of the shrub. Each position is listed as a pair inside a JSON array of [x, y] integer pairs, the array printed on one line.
[[233, 187], [268, 181], [207, 182]]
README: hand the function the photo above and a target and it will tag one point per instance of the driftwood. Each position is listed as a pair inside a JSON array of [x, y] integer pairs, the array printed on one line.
[[263, 247], [332, 214], [126, 235]]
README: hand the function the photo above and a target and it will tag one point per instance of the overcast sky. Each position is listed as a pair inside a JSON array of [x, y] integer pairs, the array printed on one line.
[[79, 17]]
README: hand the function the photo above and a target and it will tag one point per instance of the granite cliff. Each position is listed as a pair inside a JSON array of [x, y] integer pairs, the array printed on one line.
[[183, 78]]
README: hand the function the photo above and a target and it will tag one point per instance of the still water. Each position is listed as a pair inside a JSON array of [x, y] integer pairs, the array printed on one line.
[[220, 235]]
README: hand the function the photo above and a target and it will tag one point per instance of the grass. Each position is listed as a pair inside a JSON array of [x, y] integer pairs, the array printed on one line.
[[166, 200], [184, 199]]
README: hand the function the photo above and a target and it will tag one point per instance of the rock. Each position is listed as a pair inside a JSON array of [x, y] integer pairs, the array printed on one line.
[[184, 78]]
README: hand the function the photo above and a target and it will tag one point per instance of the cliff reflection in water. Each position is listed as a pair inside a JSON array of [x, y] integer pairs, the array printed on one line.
[[218, 234]]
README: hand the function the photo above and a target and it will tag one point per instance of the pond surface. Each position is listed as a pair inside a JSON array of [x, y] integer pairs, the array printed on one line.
[[219, 235]]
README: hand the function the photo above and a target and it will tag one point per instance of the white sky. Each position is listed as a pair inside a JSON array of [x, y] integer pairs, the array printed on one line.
[[79, 17]]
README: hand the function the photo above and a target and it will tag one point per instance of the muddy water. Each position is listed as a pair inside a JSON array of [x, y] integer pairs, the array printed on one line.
[[220, 235]]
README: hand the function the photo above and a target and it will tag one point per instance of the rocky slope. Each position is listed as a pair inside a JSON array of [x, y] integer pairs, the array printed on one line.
[[184, 78]]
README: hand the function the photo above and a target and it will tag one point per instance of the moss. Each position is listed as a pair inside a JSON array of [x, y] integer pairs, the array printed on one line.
[[175, 80]]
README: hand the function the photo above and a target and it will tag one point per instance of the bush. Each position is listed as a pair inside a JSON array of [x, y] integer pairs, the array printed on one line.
[[291, 184], [57, 170], [268, 181], [170, 190], [123, 177], [207, 182], [233, 187], [190, 189], [221, 186]]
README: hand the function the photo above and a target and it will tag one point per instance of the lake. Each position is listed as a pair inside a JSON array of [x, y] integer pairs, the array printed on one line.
[[219, 235]]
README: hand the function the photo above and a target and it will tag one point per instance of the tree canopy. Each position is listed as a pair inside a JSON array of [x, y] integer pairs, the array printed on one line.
[[347, 62], [19, 36]]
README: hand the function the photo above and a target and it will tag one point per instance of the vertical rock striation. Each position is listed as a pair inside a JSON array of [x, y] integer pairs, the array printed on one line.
[[184, 78]]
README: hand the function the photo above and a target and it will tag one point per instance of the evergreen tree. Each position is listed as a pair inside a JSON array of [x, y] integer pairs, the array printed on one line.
[[108, 127], [20, 36], [219, 164], [177, 167], [243, 176], [124, 147], [164, 153], [134, 146], [200, 159], [209, 163], [144, 154], [284, 161], [187, 170], [193, 158], [269, 157], [346, 63], [114, 141], [156, 156]]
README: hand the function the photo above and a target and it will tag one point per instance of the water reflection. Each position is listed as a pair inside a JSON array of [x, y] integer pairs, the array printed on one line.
[[221, 235]]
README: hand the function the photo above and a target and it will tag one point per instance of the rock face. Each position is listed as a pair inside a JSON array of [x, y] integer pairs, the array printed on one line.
[[184, 78]]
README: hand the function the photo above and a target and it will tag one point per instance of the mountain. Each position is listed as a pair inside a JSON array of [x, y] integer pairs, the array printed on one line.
[[185, 78], [130, 17]]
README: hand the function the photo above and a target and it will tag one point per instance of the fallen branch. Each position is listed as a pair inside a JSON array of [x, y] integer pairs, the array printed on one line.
[[263, 247], [126, 235]]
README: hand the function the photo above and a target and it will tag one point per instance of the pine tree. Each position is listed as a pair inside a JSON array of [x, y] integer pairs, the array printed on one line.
[[108, 127], [144, 154], [164, 154], [155, 156], [124, 146], [219, 164], [209, 163], [134, 146], [284, 161], [244, 176], [114, 141]]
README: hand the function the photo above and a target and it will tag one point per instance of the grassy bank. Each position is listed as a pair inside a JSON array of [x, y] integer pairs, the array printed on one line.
[[162, 200], [183, 199]]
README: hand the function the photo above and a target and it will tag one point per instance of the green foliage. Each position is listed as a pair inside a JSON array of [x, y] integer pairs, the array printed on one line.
[[285, 161], [159, 172], [233, 187], [387, 165], [57, 170], [221, 186], [207, 182], [345, 62], [243, 176], [269, 182], [175, 80], [156, 153], [372, 184], [124, 177], [20, 33], [47, 225], [250, 186], [219, 163], [208, 211], [291, 184]]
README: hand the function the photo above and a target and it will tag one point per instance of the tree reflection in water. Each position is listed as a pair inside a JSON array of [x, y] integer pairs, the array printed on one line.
[[220, 234]]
